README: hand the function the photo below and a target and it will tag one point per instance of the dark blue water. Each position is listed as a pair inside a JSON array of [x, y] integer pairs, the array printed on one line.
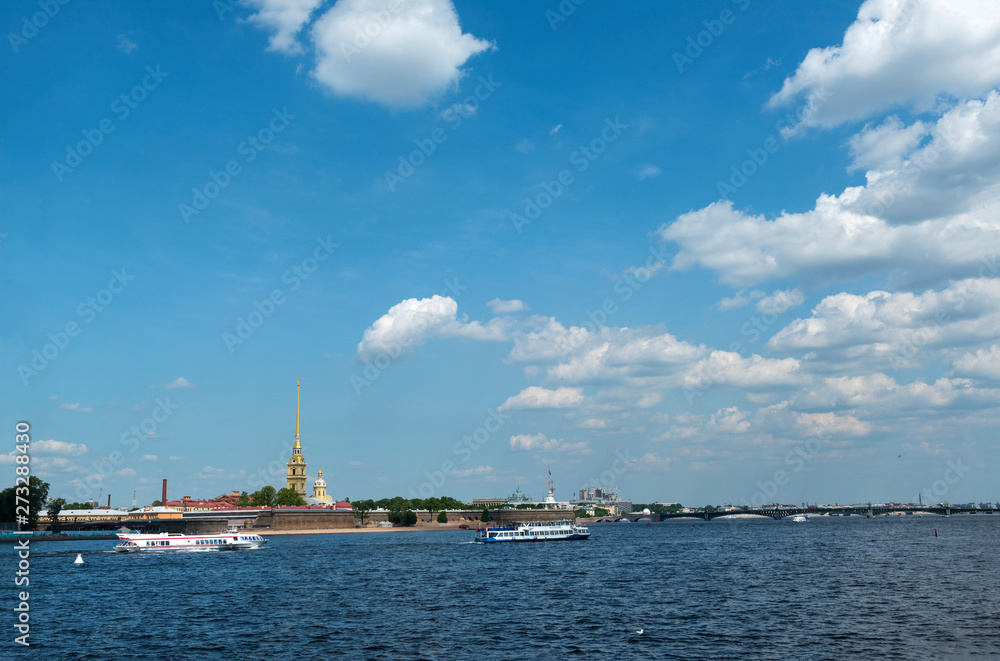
[[840, 588]]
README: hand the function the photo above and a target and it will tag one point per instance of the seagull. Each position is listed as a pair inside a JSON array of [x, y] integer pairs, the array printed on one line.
[[639, 631]]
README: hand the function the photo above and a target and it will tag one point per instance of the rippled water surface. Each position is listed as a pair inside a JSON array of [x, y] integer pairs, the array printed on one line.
[[838, 588]]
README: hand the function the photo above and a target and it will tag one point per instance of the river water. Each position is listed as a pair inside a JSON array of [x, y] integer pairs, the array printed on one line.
[[831, 588]]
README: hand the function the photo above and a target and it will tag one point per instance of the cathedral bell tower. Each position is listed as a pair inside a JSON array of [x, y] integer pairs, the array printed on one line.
[[297, 464]]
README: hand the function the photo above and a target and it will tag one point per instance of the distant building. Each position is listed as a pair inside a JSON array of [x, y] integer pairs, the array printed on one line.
[[297, 463], [319, 496], [488, 502]]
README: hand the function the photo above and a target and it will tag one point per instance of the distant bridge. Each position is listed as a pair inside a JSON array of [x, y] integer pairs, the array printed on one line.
[[869, 511]]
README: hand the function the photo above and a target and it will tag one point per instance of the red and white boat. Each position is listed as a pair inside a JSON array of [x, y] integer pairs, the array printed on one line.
[[231, 540]]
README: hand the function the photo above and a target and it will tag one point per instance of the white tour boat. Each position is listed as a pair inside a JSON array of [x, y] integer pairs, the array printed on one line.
[[532, 531], [231, 540]]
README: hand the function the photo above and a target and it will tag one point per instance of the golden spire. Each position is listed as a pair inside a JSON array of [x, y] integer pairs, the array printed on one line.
[[298, 386]]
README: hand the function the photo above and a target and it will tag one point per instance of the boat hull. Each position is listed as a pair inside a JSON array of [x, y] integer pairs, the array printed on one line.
[[533, 531], [166, 542]]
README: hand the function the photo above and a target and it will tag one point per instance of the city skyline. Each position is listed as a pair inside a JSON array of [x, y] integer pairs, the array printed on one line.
[[689, 252]]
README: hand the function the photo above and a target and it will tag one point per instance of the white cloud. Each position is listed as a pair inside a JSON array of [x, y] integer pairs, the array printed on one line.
[[652, 461], [536, 397], [984, 363], [505, 307], [408, 323], [740, 300], [902, 324], [149, 457], [539, 443], [179, 382], [474, 471], [74, 406], [883, 147], [412, 50], [58, 447], [900, 52], [831, 424], [754, 373], [209, 472], [524, 146], [124, 472], [285, 18], [780, 300], [555, 129], [126, 45], [594, 423], [647, 171]]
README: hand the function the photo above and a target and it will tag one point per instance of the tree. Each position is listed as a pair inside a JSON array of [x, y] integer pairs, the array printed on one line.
[[361, 509], [443, 517], [266, 496], [55, 507], [78, 506], [32, 496], [157, 503], [600, 511], [409, 518], [485, 518], [244, 500], [580, 513], [288, 497]]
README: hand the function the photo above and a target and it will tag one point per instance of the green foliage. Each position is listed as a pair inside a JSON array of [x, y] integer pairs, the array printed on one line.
[[264, 497], [530, 506], [361, 509], [443, 517], [430, 504], [35, 494], [485, 518], [409, 518], [55, 506], [289, 497], [657, 509], [79, 506], [580, 513], [244, 500], [157, 503], [600, 511]]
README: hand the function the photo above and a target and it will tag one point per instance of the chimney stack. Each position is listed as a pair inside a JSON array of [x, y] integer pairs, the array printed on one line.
[[163, 499], [109, 501]]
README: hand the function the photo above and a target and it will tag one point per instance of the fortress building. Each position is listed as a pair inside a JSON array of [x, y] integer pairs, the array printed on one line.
[[297, 463], [319, 496]]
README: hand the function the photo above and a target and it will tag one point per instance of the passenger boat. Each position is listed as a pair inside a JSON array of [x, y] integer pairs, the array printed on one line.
[[799, 518], [532, 531], [231, 540]]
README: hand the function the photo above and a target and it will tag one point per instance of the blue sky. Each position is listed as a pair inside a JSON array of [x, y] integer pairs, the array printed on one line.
[[760, 262]]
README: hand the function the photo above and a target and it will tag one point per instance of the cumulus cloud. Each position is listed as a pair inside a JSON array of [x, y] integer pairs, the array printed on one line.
[[536, 397], [984, 363], [126, 45], [285, 18], [539, 443], [149, 457], [505, 307], [900, 53], [647, 171], [475, 471], [408, 323], [398, 54], [179, 382], [740, 300], [58, 447], [74, 406], [652, 461], [896, 324]]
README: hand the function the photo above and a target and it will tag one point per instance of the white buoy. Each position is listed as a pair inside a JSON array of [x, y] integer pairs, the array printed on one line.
[[639, 631], [79, 559]]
